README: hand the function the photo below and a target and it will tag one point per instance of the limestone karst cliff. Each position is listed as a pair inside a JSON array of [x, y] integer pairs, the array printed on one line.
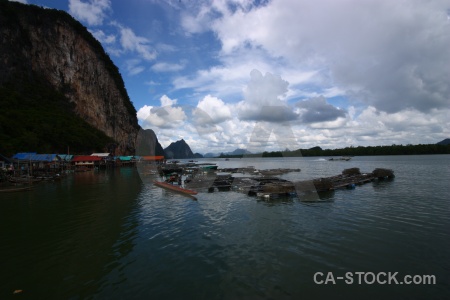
[[47, 49], [179, 149]]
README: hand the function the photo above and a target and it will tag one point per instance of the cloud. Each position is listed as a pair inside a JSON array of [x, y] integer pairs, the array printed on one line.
[[131, 42], [372, 127], [262, 100], [161, 117], [134, 67], [167, 67], [391, 55], [92, 12], [166, 116], [212, 110], [166, 101], [104, 38], [144, 112], [317, 109], [199, 22]]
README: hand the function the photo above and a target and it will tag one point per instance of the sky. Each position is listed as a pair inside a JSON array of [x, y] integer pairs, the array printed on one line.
[[269, 75]]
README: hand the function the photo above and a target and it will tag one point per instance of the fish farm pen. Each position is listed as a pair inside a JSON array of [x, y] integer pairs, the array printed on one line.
[[264, 183]]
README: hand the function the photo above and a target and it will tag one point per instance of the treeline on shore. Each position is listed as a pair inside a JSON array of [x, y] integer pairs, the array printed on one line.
[[355, 151]]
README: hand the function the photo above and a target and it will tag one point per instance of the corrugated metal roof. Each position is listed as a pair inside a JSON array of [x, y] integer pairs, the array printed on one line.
[[101, 154]]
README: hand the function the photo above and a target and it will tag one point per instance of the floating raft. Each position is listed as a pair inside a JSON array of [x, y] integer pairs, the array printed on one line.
[[269, 187], [350, 178]]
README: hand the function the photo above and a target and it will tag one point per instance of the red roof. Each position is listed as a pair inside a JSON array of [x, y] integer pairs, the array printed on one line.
[[157, 157], [86, 158]]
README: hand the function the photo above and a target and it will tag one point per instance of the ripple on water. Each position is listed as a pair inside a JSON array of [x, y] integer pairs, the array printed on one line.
[[157, 244]]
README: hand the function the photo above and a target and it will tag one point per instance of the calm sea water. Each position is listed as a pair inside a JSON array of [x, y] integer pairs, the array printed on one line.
[[113, 235]]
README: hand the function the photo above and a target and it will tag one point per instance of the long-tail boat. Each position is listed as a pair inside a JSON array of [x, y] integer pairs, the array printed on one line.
[[175, 188]]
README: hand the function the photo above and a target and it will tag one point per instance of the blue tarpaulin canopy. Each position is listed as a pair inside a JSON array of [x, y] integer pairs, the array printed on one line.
[[32, 156]]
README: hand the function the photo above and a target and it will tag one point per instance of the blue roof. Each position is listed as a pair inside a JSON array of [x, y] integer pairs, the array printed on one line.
[[35, 157], [23, 155]]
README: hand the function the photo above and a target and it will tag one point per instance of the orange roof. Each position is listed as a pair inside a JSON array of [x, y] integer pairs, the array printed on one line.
[[157, 157]]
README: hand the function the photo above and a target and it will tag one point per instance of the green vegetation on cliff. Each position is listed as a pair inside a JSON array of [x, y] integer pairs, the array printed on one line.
[[37, 118]]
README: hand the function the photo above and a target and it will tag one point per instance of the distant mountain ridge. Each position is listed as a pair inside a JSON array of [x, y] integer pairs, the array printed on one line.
[[238, 151], [444, 142]]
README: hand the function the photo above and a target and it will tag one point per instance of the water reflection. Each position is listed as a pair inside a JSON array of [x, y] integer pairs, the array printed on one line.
[[109, 235], [57, 241]]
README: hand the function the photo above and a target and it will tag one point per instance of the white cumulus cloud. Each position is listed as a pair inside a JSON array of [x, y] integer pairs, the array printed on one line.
[[212, 110], [92, 12], [263, 99]]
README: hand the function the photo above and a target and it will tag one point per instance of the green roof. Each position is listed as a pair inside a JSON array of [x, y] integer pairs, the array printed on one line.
[[125, 158]]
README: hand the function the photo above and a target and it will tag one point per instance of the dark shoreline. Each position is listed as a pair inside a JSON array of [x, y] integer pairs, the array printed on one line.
[[421, 149]]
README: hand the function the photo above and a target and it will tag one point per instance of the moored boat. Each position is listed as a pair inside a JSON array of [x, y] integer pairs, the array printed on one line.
[[343, 158], [209, 167], [23, 180], [175, 188]]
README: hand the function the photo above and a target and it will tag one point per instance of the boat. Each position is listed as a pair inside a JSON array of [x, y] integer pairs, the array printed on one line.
[[209, 167], [344, 158], [23, 180], [175, 188]]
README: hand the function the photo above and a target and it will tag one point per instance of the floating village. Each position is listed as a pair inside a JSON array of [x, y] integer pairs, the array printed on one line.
[[24, 170], [191, 178]]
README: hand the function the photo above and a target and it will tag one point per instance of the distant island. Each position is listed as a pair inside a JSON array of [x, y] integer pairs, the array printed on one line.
[[444, 142], [181, 149], [442, 147]]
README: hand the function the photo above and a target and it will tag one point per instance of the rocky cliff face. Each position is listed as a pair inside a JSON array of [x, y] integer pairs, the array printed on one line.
[[49, 46], [179, 149], [147, 144]]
